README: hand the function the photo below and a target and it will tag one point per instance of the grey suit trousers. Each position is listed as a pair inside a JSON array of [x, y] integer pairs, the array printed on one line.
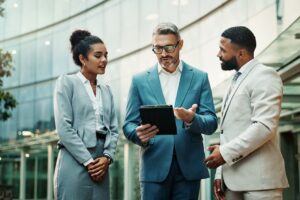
[[72, 181]]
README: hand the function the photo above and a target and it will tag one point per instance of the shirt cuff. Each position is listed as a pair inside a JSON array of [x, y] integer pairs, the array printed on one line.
[[187, 125], [88, 162]]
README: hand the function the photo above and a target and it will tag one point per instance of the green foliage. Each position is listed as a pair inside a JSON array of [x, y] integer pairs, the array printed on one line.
[[1, 9], [7, 101]]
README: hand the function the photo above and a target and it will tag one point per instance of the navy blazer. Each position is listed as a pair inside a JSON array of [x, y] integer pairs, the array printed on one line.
[[156, 158]]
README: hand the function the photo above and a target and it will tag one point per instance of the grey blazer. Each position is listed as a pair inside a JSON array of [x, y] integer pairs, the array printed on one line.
[[75, 125], [75, 118], [249, 132]]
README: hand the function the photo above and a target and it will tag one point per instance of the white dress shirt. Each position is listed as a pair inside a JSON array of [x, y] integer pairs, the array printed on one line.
[[96, 102], [169, 83]]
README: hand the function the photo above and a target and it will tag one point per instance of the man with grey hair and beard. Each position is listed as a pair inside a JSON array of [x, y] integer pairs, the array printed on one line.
[[171, 166]]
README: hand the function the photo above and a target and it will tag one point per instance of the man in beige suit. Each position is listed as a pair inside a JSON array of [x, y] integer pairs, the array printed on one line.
[[248, 161]]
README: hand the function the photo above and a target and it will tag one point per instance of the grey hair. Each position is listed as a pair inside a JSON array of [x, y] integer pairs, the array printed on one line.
[[166, 28]]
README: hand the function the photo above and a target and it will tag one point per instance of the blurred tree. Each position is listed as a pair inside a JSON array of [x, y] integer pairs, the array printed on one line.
[[1, 9], [7, 101]]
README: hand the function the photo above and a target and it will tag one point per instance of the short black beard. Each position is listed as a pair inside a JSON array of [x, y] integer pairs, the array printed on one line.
[[230, 64]]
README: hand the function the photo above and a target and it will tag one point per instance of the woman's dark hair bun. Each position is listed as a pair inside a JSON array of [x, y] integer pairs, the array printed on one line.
[[77, 36]]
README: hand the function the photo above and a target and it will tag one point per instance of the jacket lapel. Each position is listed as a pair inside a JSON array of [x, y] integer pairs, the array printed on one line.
[[106, 104], [184, 84], [154, 84], [83, 91], [236, 86]]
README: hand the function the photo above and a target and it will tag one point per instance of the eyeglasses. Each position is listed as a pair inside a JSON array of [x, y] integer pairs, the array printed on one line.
[[167, 48]]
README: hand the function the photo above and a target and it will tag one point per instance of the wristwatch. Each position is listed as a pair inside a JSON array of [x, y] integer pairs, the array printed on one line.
[[108, 158]]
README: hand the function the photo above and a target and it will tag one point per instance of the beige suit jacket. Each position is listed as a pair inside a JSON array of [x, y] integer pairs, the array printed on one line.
[[249, 132]]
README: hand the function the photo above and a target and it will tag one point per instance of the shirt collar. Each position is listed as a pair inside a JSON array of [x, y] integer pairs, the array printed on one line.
[[85, 80], [246, 66], [162, 70]]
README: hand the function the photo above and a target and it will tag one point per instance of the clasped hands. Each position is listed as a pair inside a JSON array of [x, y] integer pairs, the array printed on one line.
[[146, 131], [98, 168]]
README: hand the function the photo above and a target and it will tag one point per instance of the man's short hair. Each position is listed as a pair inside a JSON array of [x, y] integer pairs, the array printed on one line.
[[165, 29], [242, 36]]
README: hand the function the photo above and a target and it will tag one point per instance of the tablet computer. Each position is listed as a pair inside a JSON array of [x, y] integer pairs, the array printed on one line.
[[160, 115]]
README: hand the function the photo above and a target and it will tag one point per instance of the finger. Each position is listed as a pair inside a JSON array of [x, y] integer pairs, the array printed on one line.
[[98, 174], [211, 148], [179, 113], [149, 135], [179, 110], [146, 130], [142, 127], [95, 174], [218, 186], [97, 178], [194, 107], [150, 129], [216, 193], [94, 166], [94, 171], [217, 189], [210, 164], [208, 159]]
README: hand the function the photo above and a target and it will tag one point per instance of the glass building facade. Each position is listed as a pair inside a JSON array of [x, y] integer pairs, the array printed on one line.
[[37, 32]]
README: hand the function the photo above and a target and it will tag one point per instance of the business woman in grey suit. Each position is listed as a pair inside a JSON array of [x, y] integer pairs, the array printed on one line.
[[251, 165], [86, 123]]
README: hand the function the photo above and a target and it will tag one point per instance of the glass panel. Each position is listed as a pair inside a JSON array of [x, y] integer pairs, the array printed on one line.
[[77, 6], [28, 60], [189, 10], [149, 18], [43, 68], [12, 18], [29, 15], [45, 13], [61, 9], [61, 54], [112, 30], [169, 11], [43, 115], [129, 26]]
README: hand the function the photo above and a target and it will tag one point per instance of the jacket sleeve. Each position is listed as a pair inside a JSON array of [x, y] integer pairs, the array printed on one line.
[[132, 119], [265, 98], [205, 120], [113, 127], [63, 114]]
